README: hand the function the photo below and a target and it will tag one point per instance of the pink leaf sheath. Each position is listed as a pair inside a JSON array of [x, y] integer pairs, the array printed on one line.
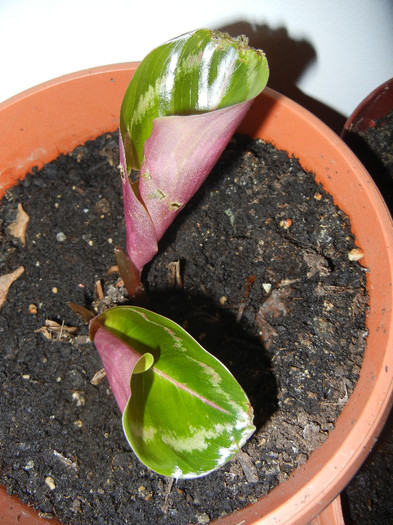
[[141, 239], [119, 361], [178, 157]]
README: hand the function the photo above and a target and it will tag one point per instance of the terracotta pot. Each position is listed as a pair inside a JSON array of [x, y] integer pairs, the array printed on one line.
[[375, 106], [57, 116]]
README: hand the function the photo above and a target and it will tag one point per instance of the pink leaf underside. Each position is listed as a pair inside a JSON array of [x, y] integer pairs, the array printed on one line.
[[179, 155], [141, 236], [119, 361]]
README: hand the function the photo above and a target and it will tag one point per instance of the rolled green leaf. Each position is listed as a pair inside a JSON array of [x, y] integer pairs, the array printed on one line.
[[196, 72], [186, 415], [180, 110]]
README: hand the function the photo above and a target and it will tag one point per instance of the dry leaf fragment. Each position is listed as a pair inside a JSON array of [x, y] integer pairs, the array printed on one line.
[[6, 281], [18, 228], [44, 331], [316, 264], [57, 327], [52, 327], [277, 304]]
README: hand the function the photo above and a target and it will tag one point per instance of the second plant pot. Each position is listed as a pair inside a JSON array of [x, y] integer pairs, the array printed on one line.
[[57, 116]]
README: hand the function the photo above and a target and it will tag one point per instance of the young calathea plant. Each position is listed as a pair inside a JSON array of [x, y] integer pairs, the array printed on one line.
[[184, 414]]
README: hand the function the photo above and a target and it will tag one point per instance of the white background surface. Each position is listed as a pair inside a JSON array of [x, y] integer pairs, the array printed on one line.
[[323, 53]]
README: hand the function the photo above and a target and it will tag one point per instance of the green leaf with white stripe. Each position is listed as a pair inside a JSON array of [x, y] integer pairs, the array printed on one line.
[[186, 415], [200, 71]]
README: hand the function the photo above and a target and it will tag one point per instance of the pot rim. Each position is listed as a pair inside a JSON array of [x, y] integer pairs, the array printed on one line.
[[310, 487], [374, 106]]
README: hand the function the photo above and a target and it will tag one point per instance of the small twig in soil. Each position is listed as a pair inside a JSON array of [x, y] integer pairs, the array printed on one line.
[[98, 290], [174, 278], [66, 461]]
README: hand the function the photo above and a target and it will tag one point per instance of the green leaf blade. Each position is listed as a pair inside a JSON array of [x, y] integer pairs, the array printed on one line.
[[198, 441], [187, 415], [186, 436]]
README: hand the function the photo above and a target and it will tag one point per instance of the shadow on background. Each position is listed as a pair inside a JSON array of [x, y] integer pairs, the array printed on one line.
[[288, 59]]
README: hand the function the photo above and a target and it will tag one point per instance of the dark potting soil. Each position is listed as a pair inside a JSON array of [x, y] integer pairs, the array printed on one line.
[[266, 284], [369, 495]]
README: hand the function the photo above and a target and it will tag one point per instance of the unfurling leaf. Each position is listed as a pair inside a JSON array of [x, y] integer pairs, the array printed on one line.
[[182, 106], [184, 414]]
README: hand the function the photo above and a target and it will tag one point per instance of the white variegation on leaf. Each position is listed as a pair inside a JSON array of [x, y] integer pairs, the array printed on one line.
[[184, 414]]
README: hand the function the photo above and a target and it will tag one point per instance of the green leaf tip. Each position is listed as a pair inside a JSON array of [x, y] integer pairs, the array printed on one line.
[[200, 71], [186, 414]]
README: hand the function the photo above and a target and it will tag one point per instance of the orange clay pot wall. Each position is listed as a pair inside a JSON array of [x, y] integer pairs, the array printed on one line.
[[57, 116]]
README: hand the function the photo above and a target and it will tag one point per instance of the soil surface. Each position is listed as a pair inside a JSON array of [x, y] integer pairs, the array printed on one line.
[[268, 283], [368, 497]]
